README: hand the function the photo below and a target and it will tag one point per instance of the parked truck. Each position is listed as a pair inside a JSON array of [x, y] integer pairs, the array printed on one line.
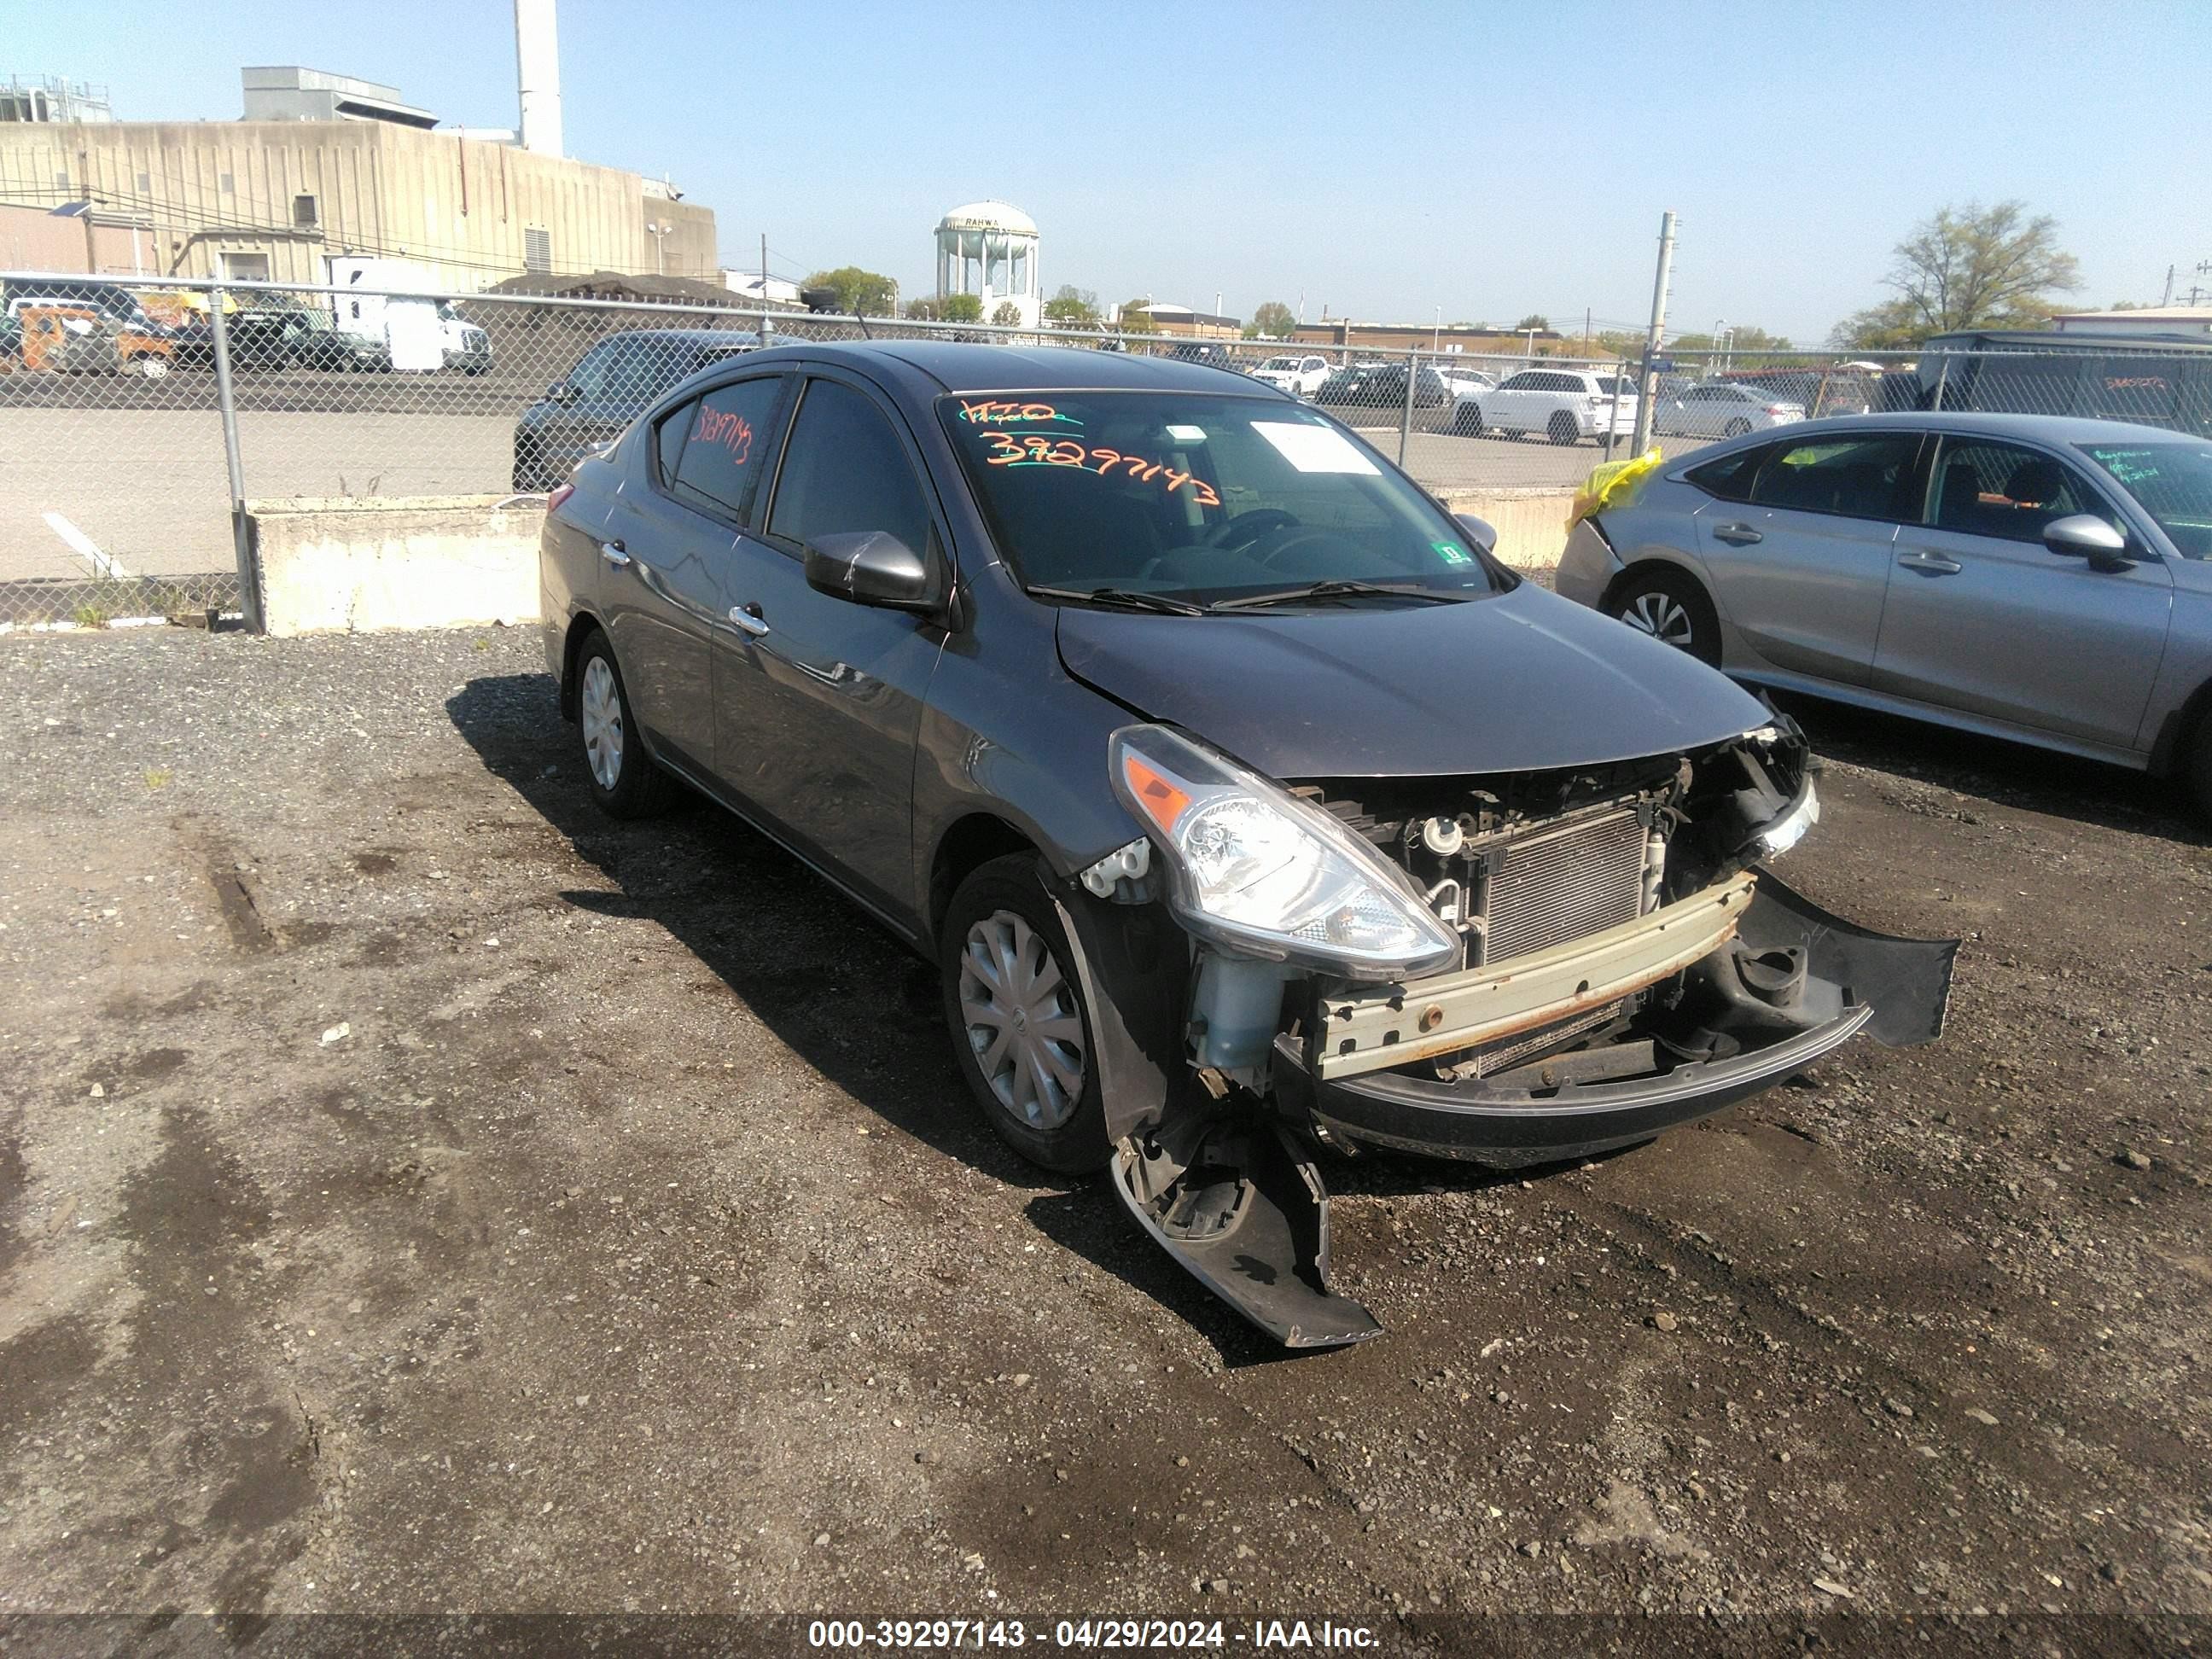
[[384, 316]]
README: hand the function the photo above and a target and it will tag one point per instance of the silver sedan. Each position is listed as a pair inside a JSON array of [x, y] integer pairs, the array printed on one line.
[[2032, 577], [1721, 410]]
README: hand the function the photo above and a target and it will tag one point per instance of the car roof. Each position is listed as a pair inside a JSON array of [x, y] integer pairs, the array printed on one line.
[[928, 367]]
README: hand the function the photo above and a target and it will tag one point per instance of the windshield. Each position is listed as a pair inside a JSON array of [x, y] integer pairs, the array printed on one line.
[[2172, 481], [1201, 497], [1280, 363]]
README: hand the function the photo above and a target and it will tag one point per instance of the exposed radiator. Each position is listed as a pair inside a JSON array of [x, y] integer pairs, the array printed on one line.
[[1562, 882]]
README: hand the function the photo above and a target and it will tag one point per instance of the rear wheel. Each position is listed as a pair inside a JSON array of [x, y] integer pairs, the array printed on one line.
[[1669, 605], [1562, 430], [152, 367], [1466, 420], [624, 780], [1736, 428], [1014, 1001]]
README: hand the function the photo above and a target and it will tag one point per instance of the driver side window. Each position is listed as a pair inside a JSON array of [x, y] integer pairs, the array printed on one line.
[[1983, 489]]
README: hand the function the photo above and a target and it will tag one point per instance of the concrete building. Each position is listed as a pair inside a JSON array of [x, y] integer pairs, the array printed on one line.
[[989, 249], [2193, 322], [51, 98], [326, 164], [1171, 318]]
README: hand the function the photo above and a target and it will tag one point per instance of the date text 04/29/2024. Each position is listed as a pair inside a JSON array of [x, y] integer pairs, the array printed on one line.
[[1087, 1634]]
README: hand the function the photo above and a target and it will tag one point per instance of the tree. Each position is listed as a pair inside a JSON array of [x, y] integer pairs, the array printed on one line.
[[960, 308], [1967, 267], [1742, 338], [865, 292], [1541, 324], [1137, 317], [1008, 315], [1072, 308], [1273, 319], [922, 310]]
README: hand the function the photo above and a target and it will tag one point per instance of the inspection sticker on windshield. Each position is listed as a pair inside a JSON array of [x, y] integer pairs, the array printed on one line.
[[1313, 448], [1451, 552]]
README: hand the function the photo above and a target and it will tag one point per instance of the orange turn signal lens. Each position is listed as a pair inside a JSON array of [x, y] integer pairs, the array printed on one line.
[[1162, 802]]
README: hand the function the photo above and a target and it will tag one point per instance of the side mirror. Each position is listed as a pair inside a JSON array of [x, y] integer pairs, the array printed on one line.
[[561, 393], [2085, 535], [1480, 532], [870, 567]]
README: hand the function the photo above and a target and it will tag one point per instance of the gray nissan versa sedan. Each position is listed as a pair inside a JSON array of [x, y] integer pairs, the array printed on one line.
[[1245, 803], [2044, 579]]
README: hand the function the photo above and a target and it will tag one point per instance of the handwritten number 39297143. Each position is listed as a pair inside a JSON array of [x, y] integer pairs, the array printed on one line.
[[1035, 449]]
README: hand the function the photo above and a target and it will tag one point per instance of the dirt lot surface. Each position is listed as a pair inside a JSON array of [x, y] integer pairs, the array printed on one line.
[[418, 1192]]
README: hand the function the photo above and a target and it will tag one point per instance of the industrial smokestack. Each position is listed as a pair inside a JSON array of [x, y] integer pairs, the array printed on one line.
[[537, 73]]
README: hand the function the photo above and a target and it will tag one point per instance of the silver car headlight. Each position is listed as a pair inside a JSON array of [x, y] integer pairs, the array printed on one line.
[[1255, 868], [1785, 832]]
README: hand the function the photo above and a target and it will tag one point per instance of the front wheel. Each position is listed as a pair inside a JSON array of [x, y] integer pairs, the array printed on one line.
[[151, 367], [1468, 421], [1562, 430], [2199, 775], [624, 780], [1014, 1001], [1736, 428], [1671, 607]]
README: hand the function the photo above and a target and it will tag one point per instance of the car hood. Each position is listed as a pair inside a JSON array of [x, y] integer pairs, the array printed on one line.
[[1524, 681]]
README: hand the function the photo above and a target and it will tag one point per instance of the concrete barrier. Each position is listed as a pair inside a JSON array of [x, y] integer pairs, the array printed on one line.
[[344, 566], [1531, 524]]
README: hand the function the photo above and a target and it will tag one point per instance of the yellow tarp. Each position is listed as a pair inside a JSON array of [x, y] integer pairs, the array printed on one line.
[[1609, 483]]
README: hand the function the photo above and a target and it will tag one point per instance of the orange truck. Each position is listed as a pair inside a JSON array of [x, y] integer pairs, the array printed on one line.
[[77, 339]]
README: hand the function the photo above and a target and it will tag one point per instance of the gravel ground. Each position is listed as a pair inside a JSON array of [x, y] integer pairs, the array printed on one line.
[[418, 1192]]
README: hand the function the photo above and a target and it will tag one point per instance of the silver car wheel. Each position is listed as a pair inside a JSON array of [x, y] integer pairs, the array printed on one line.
[[603, 722], [1662, 617], [1022, 1021]]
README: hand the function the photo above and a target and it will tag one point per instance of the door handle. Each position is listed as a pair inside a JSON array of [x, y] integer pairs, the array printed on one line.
[[747, 617], [613, 554], [1736, 535], [1929, 564]]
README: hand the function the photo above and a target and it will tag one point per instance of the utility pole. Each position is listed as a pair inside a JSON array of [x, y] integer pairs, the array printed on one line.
[[2166, 298], [1656, 335]]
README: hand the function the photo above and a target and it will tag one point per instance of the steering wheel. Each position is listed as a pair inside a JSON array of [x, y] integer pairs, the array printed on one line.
[[1250, 526]]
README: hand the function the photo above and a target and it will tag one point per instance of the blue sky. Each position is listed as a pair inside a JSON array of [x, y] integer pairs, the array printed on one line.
[[1382, 159]]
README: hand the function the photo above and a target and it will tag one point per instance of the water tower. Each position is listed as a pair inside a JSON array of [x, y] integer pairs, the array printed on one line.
[[989, 249]]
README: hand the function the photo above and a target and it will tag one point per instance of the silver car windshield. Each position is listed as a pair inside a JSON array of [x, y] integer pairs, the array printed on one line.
[[1197, 496], [2172, 481]]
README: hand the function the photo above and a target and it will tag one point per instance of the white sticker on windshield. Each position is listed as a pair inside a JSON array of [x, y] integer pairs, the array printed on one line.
[[1188, 434], [1313, 448]]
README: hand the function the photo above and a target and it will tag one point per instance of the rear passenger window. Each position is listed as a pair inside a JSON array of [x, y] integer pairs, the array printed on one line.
[[1728, 477], [1857, 477], [847, 470], [723, 442]]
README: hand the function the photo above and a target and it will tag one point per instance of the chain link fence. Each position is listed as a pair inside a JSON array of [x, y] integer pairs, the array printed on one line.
[[139, 417]]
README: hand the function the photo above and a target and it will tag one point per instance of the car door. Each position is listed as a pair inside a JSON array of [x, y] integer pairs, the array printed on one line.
[[669, 560], [818, 701], [1982, 617], [1513, 405], [1799, 565]]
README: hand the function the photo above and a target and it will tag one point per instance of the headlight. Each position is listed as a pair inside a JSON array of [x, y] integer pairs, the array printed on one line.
[[1255, 868], [1786, 831]]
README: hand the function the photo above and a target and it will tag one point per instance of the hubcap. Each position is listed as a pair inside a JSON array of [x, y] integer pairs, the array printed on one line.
[[1661, 617], [1022, 1021], [602, 723]]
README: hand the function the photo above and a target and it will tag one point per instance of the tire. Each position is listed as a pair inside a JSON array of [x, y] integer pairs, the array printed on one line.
[[2198, 775], [150, 367], [1669, 605], [1562, 430], [529, 469], [623, 778], [1736, 428], [1466, 420], [1013, 1008]]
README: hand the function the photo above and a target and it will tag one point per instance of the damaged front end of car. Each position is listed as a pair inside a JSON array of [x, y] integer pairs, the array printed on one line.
[[1514, 969]]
